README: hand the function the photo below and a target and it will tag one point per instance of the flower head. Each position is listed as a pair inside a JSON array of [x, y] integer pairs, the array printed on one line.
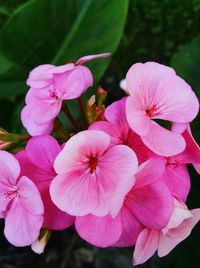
[[20, 203], [92, 177]]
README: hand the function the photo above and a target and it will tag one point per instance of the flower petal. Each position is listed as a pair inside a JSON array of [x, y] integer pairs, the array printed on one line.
[[146, 245], [99, 231], [162, 141], [85, 59], [9, 168]]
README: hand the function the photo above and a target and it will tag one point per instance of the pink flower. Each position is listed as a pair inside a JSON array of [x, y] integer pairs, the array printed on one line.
[[179, 228], [120, 132], [176, 175], [149, 203], [37, 162], [92, 177], [156, 92], [20, 203], [50, 85]]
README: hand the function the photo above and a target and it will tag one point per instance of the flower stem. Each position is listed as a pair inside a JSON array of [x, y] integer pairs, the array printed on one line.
[[60, 130], [67, 112], [83, 112]]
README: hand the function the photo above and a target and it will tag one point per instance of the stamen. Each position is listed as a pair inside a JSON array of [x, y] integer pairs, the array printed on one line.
[[53, 95], [174, 163], [93, 164], [151, 111]]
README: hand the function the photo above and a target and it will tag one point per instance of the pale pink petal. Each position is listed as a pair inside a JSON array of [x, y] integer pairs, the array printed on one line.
[[9, 168], [162, 141], [25, 216], [5, 189], [38, 78], [177, 101], [146, 245], [43, 107], [151, 205], [177, 235], [77, 148], [123, 85], [197, 168], [149, 171], [137, 118], [179, 215], [29, 196], [72, 84], [33, 128], [178, 181], [99, 231], [179, 127], [143, 79], [22, 228], [118, 166], [85, 59], [42, 152], [131, 227]]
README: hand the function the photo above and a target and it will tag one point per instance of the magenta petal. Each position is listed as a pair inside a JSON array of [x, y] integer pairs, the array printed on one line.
[[99, 231], [146, 246], [9, 168], [149, 171], [162, 141], [54, 219], [152, 204], [42, 152], [178, 181], [30, 125], [85, 59], [131, 227]]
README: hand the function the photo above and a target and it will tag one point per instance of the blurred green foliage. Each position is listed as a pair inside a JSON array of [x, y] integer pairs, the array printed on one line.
[[165, 31]]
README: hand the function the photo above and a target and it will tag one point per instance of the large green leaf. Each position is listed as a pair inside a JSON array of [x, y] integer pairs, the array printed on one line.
[[186, 62], [49, 31]]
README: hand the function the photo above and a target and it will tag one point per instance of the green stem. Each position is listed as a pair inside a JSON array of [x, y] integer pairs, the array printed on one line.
[[67, 112], [60, 130], [83, 112]]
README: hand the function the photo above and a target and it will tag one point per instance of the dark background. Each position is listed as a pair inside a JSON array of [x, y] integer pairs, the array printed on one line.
[[166, 31]]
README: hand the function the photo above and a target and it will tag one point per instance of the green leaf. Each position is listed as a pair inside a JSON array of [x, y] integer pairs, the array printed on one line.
[[49, 31], [186, 62]]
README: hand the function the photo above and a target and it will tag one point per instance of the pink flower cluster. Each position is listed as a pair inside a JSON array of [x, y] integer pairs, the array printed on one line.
[[122, 180]]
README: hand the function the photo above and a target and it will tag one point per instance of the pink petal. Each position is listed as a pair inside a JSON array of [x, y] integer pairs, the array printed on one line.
[[146, 245], [72, 84], [9, 168], [178, 181], [42, 106], [167, 243], [90, 192], [131, 227], [151, 206], [54, 219], [143, 79], [137, 119], [197, 168], [82, 144], [162, 141], [177, 102], [38, 79], [5, 188], [179, 127], [84, 59], [30, 125], [22, 228], [99, 231], [25, 216], [149, 172], [42, 151]]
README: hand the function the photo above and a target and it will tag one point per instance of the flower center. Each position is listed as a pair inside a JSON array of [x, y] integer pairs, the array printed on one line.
[[11, 194], [151, 111], [93, 164], [174, 163], [53, 95]]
